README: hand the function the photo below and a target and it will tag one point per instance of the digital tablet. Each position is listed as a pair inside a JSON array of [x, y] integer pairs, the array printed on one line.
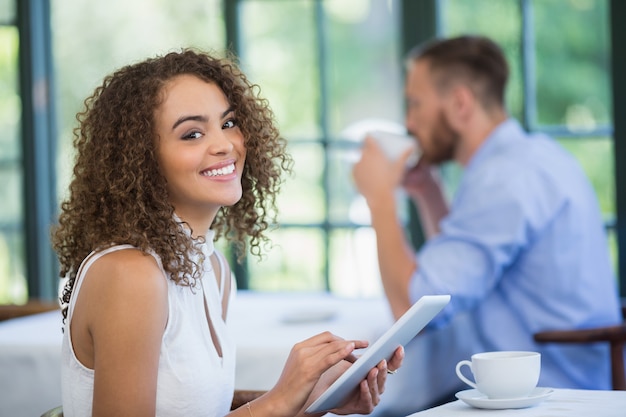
[[402, 331]]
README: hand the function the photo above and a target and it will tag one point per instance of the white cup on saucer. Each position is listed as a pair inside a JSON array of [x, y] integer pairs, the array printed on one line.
[[394, 145], [504, 374]]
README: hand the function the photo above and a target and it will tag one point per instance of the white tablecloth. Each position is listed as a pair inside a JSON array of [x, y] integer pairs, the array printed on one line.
[[266, 326], [563, 403]]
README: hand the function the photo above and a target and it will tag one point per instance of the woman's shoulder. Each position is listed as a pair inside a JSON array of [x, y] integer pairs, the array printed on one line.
[[126, 272], [123, 301], [126, 260]]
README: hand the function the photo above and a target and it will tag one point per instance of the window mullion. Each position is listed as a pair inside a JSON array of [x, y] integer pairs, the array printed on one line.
[[323, 109], [528, 65], [618, 63], [39, 142]]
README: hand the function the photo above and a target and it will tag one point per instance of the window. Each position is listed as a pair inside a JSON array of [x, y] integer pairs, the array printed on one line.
[[331, 69], [336, 63], [560, 81], [92, 39], [13, 288]]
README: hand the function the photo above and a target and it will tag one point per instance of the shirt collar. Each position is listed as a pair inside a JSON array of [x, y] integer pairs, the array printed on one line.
[[506, 131]]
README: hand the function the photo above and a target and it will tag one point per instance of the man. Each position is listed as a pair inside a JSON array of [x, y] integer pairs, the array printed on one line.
[[522, 247]]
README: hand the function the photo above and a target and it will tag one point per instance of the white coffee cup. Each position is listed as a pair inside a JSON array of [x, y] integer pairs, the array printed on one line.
[[505, 374], [394, 145]]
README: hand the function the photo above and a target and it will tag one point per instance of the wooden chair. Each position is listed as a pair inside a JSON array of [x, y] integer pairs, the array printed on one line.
[[244, 396], [614, 335], [240, 398]]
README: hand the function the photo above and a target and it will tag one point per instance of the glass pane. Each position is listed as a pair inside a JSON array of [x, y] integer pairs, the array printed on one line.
[[596, 157], [342, 193], [10, 110], [346, 204], [11, 210], [581, 99], [350, 73], [119, 32], [364, 65], [301, 199], [13, 288], [295, 262], [354, 263], [573, 65], [279, 54], [501, 21], [7, 11]]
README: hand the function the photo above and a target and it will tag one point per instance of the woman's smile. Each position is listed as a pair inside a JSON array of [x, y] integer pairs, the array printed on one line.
[[223, 172]]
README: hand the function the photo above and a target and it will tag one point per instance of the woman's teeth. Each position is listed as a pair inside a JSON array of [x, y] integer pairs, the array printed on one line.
[[228, 169]]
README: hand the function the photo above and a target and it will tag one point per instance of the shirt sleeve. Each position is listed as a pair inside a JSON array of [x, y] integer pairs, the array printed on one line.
[[491, 222]]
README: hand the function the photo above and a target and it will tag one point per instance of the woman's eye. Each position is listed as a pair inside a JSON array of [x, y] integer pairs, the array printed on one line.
[[229, 124], [192, 135]]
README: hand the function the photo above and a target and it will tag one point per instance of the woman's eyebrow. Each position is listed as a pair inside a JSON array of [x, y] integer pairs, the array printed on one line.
[[228, 110], [183, 119], [200, 118]]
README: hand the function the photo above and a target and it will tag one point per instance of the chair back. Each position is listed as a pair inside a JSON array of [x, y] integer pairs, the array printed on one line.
[[615, 336]]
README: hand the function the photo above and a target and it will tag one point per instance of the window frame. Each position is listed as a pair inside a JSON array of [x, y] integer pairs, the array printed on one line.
[[325, 139], [420, 21], [617, 13], [38, 124]]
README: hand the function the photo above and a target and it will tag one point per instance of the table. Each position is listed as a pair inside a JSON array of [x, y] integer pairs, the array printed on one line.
[[562, 403], [270, 324], [266, 326]]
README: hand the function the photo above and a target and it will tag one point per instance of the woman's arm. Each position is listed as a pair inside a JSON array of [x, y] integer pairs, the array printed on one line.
[[119, 320], [312, 366]]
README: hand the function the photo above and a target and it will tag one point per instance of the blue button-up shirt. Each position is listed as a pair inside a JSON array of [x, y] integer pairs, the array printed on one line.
[[524, 249]]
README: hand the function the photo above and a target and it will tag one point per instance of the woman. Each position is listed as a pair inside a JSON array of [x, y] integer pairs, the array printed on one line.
[[172, 153]]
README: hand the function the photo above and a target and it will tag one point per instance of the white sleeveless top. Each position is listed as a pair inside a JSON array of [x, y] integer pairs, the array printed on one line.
[[193, 380]]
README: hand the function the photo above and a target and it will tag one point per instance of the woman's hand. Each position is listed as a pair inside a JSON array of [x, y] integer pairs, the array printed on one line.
[[367, 395], [307, 362]]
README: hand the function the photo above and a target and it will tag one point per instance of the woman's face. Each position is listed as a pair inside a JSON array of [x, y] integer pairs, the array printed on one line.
[[200, 149]]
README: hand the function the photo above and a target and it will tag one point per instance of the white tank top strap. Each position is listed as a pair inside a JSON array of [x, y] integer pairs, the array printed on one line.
[[225, 280], [86, 264], [224, 273]]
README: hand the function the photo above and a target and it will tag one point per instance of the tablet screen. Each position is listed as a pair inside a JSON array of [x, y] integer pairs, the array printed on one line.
[[402, 331]]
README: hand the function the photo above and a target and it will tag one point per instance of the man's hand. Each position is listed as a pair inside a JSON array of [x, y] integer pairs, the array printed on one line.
[[376, 177]]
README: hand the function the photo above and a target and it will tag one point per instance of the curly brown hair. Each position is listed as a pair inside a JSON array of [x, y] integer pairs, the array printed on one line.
[[118, 194]]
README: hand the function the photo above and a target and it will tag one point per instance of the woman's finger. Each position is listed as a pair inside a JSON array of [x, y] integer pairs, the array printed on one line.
[[382, 376], [396, 360], [373, 379]]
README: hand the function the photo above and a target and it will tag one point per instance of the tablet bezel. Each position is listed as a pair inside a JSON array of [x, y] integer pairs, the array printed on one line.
[[402, 331]]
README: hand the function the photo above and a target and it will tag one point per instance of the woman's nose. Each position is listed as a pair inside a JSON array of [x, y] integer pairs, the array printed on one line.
[[220, 143]]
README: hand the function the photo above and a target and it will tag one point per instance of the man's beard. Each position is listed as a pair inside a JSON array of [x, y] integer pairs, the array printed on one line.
[[443, 143]]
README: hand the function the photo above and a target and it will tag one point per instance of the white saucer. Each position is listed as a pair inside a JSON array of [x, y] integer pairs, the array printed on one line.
[[477, 399]]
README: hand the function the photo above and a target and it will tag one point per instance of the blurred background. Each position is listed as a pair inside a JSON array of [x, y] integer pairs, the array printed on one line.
[[331, 69]]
